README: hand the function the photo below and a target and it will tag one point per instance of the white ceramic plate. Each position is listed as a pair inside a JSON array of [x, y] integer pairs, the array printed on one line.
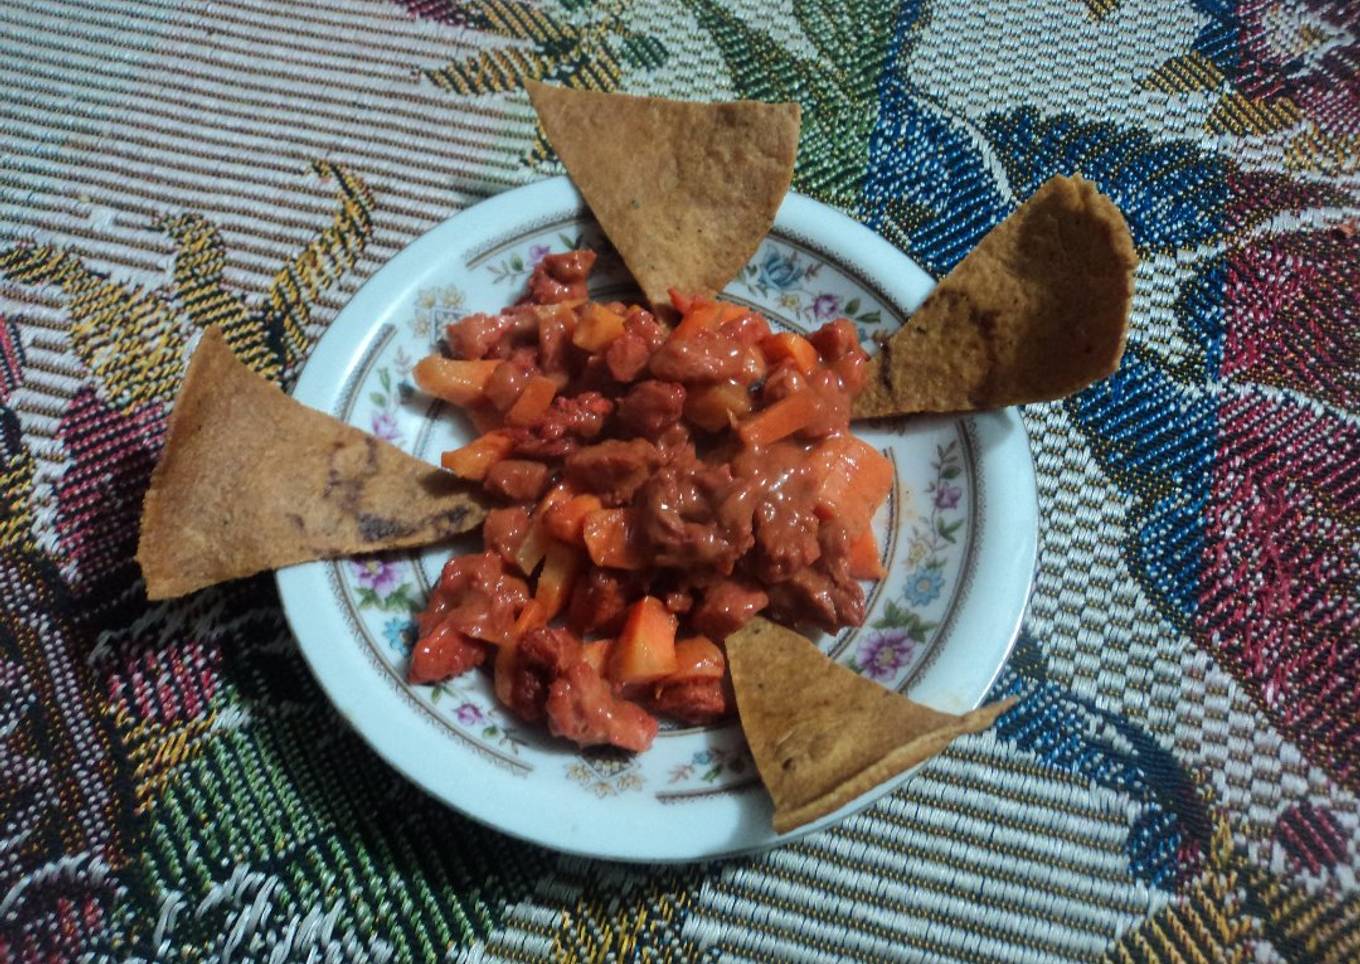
[[958, 537]]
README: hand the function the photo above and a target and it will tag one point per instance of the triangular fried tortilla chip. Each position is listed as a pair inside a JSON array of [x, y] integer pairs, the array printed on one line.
[[1037, 311], [252, 480], [821, 734], [684, 191]]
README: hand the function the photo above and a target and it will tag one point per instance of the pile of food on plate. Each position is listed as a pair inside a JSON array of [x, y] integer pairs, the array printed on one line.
[[658, 487], [654, 479]]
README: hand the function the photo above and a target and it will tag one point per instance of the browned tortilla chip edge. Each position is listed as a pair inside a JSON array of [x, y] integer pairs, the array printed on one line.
[[760, 656], [175, 555], [903, 758], [706, 263], [890, 387]]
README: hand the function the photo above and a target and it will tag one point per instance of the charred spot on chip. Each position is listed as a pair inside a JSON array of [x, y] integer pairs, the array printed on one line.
[[373, 528], [251, 479], [1037, 311]]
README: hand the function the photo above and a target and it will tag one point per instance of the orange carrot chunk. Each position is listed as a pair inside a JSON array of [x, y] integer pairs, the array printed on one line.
[[566, 520], [854, 477], [864, 557], [597, 328], [531, 617], [786, 344], [611, 538], [680, 302], [459, 382], [780, 420], [645, 650], [697, 658], [533, 401], [472, 460], [560, 568], [702, 315]]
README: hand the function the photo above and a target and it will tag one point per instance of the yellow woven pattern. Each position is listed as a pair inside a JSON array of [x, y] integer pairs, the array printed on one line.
[[1205, 926], [1183, 74], [1240, 115]]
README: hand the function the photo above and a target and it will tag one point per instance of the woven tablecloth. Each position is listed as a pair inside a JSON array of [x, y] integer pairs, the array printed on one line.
[[1179, 778]]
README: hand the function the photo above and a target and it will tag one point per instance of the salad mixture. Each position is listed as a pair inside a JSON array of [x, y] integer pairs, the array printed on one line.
[[657, 487]]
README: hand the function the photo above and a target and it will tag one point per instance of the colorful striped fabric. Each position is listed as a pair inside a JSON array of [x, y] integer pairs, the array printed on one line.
[[1179, 778]]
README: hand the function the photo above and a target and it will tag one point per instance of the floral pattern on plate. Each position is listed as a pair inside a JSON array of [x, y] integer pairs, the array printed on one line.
[[795, 284], [796, 290], [354, 623]]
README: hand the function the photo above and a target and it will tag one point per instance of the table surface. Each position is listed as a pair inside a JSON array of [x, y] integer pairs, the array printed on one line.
[[1179, 777]]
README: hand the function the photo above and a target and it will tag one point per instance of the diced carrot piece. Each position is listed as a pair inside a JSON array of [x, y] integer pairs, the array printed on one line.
[[533, 401], [459, 382], [559, 493], [472, 460], [697, 658], [566, 519], [645, 650], [864, 557], [786, 344], [532, 616], [611, 538], [597, 328], [680, 302], [714, 407], [555, 582], [780, 420], [702, 316], [854, 479], [596, 655]]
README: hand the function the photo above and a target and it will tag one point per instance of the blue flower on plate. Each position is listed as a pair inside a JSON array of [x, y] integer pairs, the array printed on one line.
[[923, 586], [779, 271], [400, 635]]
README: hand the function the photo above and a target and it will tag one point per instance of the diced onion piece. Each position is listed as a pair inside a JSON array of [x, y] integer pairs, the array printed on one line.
[[611, 539], [597, 328], [459, 382]]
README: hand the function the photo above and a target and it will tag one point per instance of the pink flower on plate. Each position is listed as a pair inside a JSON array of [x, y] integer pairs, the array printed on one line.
[[374, 574], [825, 305], [385, 427], [947, 496], [882, 655], [468, 714], [537, 252]]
